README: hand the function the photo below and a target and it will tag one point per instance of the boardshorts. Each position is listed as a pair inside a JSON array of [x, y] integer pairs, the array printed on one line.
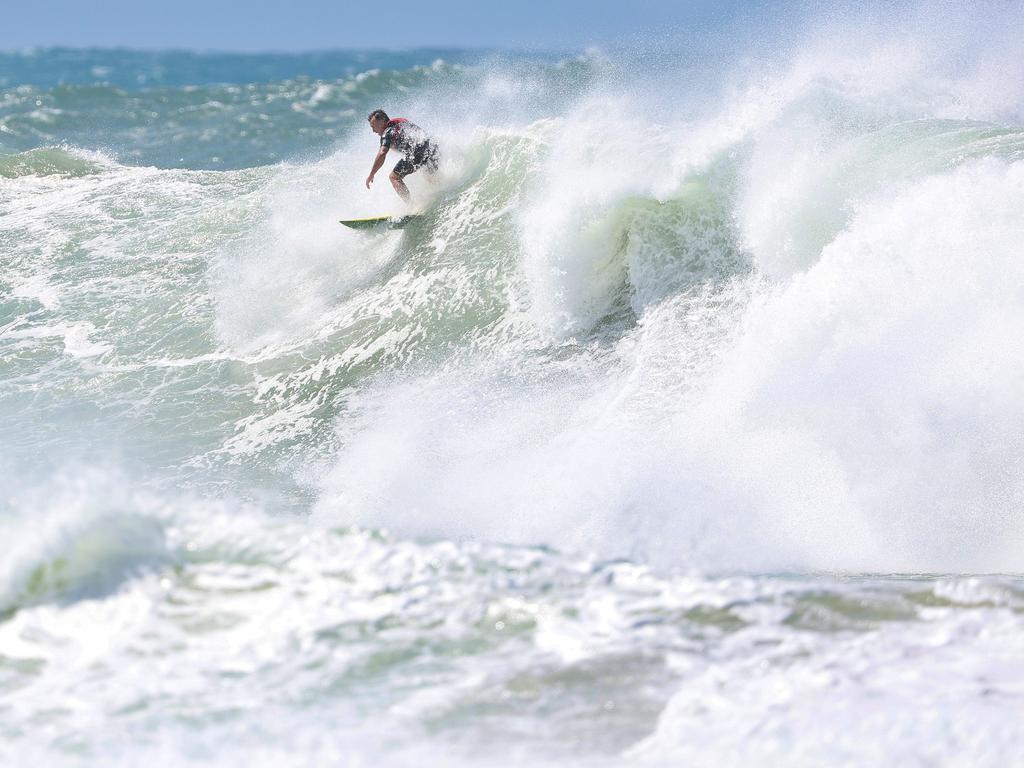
[[423, 156]]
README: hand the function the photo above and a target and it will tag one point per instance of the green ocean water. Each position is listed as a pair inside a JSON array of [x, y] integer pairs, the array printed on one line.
[[684, 427]]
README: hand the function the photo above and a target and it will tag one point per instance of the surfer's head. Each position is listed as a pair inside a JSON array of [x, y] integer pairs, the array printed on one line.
[[378, 120]]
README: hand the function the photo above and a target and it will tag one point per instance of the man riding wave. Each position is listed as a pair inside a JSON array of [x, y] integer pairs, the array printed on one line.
[[417, 148]]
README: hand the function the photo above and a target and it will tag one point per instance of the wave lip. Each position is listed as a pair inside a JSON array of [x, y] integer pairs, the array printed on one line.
[[52, 161], [75, 547]]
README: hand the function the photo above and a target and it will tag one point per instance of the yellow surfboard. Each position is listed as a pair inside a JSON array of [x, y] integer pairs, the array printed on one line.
[[380, 222]]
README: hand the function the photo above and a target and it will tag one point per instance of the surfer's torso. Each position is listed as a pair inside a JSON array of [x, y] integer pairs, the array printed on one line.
[[405, 136]]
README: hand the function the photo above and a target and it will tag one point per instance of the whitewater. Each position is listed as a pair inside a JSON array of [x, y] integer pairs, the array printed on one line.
[[686, 427]]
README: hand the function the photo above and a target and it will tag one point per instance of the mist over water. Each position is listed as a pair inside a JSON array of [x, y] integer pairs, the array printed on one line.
[[600, 461]]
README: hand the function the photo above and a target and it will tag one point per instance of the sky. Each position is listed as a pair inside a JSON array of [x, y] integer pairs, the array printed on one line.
[[298, 25]]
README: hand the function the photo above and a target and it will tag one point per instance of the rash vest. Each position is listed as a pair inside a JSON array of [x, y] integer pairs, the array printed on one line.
[[403, 135]]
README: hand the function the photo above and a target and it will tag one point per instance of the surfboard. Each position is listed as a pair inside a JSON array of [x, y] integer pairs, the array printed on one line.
[[381, 222]]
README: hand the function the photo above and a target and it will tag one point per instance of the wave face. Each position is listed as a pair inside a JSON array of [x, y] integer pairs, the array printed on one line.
[[597, 462]]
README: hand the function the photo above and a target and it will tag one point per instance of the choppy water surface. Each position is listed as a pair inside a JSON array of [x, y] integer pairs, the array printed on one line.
[[685, 428]]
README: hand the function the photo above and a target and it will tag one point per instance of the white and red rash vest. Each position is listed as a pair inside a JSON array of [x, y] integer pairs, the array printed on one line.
[[403, 135]]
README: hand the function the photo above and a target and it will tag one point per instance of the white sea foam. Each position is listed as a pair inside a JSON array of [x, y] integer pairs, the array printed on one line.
[[640, 340], [839, 419]]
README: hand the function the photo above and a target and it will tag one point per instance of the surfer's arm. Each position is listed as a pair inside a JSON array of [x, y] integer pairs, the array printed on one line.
[[378, 161]]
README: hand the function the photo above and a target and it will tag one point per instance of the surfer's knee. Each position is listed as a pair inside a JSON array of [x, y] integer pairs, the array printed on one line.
[[395, 177]]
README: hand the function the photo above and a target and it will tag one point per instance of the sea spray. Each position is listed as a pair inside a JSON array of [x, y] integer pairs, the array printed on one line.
[[596, 464]]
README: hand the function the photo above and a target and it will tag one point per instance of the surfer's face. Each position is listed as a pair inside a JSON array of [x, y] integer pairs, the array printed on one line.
[[378, 124]]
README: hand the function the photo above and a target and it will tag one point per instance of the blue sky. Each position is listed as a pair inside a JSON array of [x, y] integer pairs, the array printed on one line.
[[318, 24]]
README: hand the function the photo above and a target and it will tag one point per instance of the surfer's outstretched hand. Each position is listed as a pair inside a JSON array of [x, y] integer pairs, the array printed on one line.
[[369, 180]]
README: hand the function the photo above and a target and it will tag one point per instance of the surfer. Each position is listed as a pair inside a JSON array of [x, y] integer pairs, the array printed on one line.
[[408, 138]]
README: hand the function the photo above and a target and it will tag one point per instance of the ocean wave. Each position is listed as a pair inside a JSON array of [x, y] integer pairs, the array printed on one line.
[[75, 544], [232, 125], [608, 448], [52, 161], [608, 267]]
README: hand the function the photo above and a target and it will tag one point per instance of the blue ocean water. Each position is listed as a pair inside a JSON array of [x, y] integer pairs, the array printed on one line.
[[221, 111], [684, 427]]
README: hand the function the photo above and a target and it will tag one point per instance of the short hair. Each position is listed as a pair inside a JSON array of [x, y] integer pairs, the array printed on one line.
[[378, 113]]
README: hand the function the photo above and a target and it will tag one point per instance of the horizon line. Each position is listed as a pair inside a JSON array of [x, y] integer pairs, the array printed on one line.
[[28, 50]]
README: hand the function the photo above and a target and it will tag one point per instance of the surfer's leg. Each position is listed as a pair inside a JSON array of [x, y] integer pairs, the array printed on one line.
[[432, 169], [427, 157], [402, 169], [399, 185]]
